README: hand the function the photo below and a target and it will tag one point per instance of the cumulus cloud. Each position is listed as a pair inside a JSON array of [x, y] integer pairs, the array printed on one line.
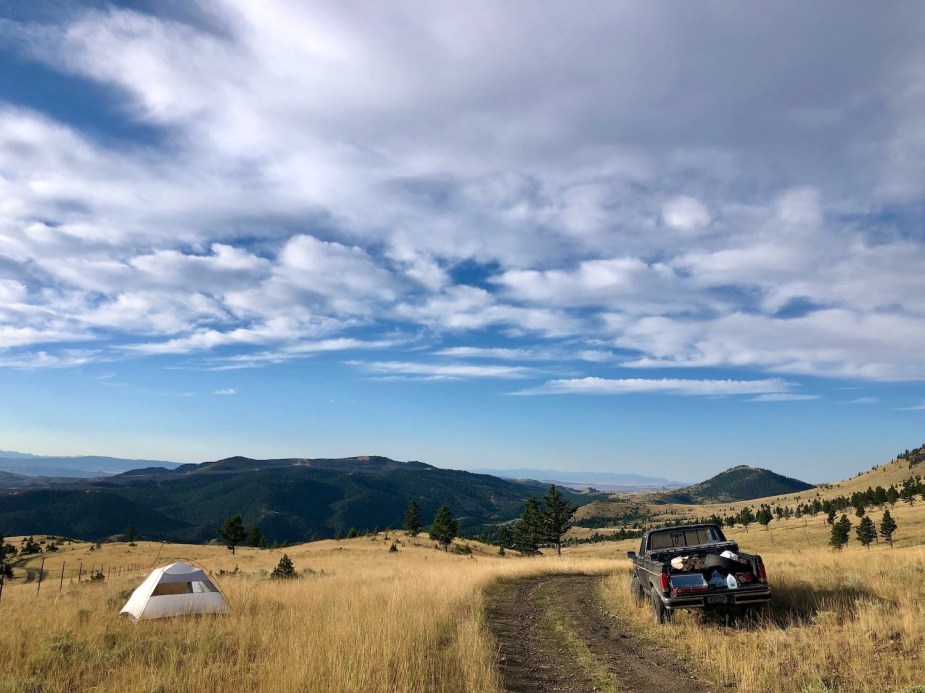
[[306, 171]]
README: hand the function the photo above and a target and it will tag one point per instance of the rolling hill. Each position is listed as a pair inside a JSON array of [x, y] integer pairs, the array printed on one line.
[[735, 484], [289, 499]]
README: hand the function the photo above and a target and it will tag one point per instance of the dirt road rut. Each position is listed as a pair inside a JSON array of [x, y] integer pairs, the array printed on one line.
[[554, 634]]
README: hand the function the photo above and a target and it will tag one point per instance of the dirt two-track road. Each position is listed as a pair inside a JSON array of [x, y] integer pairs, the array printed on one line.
[[554, 634]]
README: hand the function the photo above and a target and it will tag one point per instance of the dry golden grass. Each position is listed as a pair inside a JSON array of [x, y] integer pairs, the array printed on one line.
[[369, 620], [842, 621], [372, 621]]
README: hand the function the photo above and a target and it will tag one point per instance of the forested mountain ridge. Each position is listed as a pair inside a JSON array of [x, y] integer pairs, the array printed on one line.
[[289, 499]]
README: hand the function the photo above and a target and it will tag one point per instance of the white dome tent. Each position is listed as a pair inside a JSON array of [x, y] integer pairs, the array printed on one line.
[[175, 590]]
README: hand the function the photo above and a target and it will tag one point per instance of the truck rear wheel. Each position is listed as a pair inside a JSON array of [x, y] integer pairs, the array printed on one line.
[[662, 615], [636, 590]]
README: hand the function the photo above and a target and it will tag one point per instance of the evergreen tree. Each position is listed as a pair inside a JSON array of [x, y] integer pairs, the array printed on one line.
[[746, 517], [232, 532], [503, 537], [764, 516], [830, 517], [866, 532], [444, 527], [557, 517], [130, 534], [841, 532], [284, 570], [887, 527], [255, 538], [528, 532], [6, 570], [892, 495], [413, 519]]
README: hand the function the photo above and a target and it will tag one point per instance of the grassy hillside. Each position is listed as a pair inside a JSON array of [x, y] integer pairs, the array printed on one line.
[[362, 618]]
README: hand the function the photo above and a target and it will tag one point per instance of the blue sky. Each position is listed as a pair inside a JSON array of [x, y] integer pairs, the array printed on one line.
[[643, 237]]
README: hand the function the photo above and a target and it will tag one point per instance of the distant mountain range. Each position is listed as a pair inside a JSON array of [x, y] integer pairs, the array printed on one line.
[[603, 481], [289, 499], [736, 484], [81, 466]]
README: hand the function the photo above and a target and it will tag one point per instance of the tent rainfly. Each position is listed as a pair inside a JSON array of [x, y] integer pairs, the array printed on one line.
[[174, 590]]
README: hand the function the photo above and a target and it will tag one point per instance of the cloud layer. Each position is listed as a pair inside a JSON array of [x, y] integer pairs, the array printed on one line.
[[339, 176]]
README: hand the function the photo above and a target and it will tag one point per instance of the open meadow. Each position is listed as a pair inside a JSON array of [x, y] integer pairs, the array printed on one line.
[[362, 618]]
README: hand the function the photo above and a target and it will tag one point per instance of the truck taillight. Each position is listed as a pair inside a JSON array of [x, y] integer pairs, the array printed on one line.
[[664, 582], [762, 573]]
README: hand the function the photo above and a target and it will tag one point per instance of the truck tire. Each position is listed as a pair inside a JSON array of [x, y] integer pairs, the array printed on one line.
[[636, 590], [662, 615]]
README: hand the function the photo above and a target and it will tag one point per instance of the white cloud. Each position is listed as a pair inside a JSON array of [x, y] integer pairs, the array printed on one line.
[[313, 170], [527, 354], [666, 386], [685, 214], [225, 391], [865, 400], [441, 370], [783, 397]]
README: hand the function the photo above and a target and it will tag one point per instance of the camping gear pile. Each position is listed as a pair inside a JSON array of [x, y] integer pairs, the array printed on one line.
[[714, 571]]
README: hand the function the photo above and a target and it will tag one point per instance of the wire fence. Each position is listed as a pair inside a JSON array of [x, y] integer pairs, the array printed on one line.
[[53, 576]]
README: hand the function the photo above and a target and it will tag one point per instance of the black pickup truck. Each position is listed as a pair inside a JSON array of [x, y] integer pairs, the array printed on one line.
[[696, 567]]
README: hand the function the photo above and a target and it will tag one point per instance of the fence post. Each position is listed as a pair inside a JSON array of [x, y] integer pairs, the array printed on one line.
[[80, 571], [1, 585], [61, 581], [41, 570]]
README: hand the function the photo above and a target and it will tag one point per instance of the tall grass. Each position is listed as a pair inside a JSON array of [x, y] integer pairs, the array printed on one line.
[[848, 621], [371, 621]]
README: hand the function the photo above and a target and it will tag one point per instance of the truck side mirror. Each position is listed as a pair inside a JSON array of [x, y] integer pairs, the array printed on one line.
[[631, 554]]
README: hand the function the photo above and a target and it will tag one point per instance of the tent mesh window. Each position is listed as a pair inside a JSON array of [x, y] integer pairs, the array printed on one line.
[[164, 589]]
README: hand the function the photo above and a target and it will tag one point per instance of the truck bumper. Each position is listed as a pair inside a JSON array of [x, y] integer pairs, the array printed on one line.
[[744, 596]]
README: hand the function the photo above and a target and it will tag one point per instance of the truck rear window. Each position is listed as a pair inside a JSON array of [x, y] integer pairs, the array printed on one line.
[[683, 537]]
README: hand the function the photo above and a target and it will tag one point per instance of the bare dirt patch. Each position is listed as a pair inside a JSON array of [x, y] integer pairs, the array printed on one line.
[[554, 634]]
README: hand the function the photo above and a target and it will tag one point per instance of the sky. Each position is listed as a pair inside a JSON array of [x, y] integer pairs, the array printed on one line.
[[657, 237]]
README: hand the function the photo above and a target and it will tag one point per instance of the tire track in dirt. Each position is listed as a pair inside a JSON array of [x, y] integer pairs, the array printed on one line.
[[554, 634]]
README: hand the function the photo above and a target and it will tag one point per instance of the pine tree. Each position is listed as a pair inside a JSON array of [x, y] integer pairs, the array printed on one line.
[[232, 532], [503, 537], [284, 570], [866, 531], [528, 532], [557, 517], [130, 534], [892, 495], [413, 519], [887, 527], [444, 527], [746, 517], [764, 516], [255, 538], [841, 532]]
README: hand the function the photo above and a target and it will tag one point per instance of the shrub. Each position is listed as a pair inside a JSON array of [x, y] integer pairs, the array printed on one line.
[[284, 570]]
